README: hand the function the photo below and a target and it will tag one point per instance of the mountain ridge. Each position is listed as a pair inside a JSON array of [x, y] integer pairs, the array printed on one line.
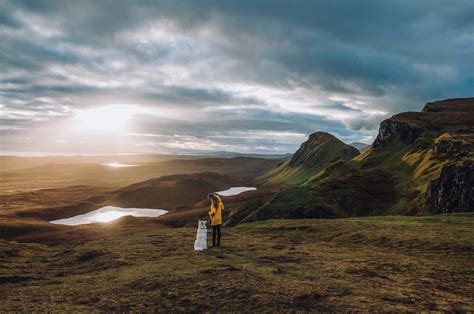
[[420, 163], [318, 151]]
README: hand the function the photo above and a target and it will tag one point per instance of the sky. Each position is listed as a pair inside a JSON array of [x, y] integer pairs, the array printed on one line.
[[96, 77]]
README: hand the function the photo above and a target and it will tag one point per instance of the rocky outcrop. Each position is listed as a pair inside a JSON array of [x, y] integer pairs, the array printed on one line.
[[453, 191], [452, 148], [452, 115], [390, 128]]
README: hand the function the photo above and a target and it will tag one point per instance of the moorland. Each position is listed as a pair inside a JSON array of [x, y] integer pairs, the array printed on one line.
[[328, 227]]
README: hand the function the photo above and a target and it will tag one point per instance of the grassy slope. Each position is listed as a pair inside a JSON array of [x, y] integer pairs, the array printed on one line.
[[285, 175], [391, 180], [413, 170], [374, 263], [313, 156]]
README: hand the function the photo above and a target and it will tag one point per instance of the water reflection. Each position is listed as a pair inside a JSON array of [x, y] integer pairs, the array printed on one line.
[[236, 190], [108, 213], [118, 165]]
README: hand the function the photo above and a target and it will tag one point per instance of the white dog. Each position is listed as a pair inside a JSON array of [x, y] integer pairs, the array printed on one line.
[[201, 236]]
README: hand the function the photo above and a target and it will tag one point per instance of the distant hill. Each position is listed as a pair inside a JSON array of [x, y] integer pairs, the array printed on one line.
[[173, 192], [313, 156], [362, 147], [169, 192], [63, 175], [8, 163], [420, 163], [219, 154]]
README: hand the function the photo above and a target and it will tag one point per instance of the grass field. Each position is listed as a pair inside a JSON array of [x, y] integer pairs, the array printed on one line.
[[388, 263]]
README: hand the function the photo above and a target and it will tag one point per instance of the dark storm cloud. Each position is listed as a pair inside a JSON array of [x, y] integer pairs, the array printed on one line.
[[8, 20], [283, 66], [190, 95], [248, 120]]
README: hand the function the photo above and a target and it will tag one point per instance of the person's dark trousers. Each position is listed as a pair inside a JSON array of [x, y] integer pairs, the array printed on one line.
[[216, 235]]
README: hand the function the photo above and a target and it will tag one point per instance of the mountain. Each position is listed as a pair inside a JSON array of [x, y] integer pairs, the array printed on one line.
[[420, 163], [316, 153], [362, 147]]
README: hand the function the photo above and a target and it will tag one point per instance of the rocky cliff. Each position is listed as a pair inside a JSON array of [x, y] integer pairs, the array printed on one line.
[[453, 191], [452, 116], [391, 128], [420, 163]]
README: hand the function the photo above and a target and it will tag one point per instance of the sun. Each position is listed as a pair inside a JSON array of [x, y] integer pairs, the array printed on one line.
[[108, 118]]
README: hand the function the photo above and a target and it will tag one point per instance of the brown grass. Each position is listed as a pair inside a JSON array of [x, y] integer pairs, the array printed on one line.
[[369, 264]]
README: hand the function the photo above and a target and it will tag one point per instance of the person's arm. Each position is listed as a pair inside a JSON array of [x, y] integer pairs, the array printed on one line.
[[213, 211]]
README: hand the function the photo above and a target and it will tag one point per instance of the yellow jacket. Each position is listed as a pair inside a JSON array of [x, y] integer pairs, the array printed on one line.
[[216, 213]]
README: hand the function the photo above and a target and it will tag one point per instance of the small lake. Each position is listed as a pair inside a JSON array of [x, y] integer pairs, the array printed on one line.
[[236, 190], [108, 213]]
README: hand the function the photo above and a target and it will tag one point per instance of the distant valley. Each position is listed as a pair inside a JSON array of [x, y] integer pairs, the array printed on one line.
[[420, 163]]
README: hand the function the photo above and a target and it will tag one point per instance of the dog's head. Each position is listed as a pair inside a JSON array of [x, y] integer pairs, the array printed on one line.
[[202, 224]]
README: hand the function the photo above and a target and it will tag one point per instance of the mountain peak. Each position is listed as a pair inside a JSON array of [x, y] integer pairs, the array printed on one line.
[[320, 149], [317, 152], [323, 137], [321, 134]]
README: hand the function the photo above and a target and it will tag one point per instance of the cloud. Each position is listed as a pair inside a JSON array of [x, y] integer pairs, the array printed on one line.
[[211, 69]]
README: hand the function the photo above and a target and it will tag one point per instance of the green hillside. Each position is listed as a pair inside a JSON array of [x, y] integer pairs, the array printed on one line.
[[314, 155], [420, 163]]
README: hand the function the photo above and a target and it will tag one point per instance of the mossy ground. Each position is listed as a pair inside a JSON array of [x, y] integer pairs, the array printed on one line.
[[390, 263]]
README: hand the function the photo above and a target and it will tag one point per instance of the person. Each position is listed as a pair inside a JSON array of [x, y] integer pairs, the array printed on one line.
[[216, 217]]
